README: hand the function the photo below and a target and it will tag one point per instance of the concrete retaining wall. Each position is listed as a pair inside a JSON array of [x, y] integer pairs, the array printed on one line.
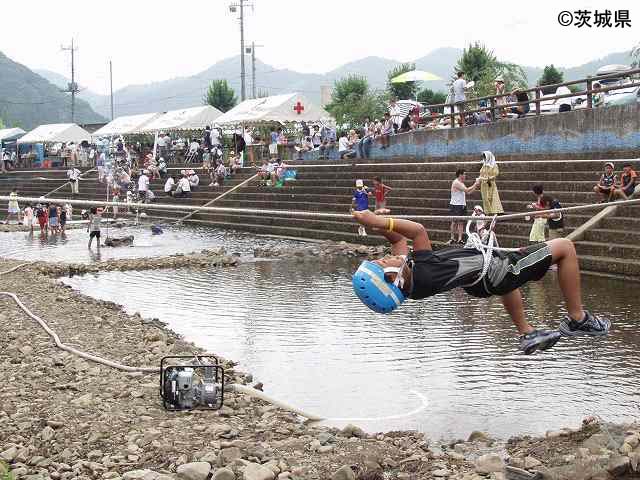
[[607, 132]]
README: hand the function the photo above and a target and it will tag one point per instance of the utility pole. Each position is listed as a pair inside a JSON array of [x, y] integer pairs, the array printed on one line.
[[243, 94], [111, 86], [253, 67], [232, 9], [72, 87]]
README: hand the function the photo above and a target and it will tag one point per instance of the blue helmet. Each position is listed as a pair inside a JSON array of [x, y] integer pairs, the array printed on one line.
[[374, 291]]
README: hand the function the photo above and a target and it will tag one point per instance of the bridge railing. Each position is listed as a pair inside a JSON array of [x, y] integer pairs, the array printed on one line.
[[470, 106]]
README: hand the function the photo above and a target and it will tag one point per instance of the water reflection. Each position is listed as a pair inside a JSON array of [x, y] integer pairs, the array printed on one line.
[[298, 328]]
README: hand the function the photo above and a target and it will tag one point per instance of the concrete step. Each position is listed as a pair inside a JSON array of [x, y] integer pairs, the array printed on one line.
[[611, 250], [605, 264], [429, 192], [522, 183], [290, 197], [613, 236], [525, 161]]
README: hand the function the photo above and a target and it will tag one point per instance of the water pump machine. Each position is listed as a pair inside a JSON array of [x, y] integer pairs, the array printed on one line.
[[191, 382]]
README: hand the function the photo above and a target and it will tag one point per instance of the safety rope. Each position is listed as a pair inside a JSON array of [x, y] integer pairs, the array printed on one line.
[[309, 214]]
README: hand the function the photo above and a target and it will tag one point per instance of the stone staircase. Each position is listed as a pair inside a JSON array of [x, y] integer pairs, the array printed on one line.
[[418, 189]]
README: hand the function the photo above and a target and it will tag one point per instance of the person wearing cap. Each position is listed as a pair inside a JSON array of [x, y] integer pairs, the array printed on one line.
[[606, 187], [385, 284], [360, 202]]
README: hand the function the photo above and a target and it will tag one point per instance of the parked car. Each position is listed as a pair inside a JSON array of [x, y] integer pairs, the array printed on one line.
[[620, 96]]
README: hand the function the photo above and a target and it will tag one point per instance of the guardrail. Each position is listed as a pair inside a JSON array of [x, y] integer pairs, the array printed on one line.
[[538, 98]]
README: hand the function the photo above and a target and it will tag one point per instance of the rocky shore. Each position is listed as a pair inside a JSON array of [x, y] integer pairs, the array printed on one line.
[[65, 418]]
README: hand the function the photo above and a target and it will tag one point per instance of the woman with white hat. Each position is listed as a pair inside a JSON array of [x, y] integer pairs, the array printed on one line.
[[488, 188]]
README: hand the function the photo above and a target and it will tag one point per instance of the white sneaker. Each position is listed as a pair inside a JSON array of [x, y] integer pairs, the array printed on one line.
[[212, 184]]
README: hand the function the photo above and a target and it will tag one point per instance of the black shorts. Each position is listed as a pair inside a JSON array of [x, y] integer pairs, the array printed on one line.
[[629, 190], [458, 210], [511, 270], [94, 234]]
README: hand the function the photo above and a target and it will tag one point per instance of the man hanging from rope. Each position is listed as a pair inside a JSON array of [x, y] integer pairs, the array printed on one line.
[[384, 284]]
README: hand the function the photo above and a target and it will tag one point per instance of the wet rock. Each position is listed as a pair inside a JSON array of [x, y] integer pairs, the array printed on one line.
[[478, 436], [193, 471], [344, 473], [254, 471], [353, 431], [596, 442], [224, 474], [489, 463], [618, 466]]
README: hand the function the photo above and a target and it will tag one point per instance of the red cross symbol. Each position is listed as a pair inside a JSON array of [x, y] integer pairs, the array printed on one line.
[[298, 108]]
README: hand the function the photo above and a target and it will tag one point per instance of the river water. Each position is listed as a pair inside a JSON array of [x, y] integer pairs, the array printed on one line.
[[72, 247], [299, 329]]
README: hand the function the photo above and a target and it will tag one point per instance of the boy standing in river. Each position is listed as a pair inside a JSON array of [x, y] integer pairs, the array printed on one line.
[[94, 226]]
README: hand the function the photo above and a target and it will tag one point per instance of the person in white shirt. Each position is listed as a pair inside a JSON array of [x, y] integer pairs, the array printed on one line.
[[344, 147], [168, 186], [194, 146], [564, 103], [215, 137], [194, 180], [73, 174], [184, 188], [458, 203], [459, 95], [143, 186]]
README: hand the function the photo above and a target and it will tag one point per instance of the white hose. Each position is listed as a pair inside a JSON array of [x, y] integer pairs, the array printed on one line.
[[62, 346], [252, 392]]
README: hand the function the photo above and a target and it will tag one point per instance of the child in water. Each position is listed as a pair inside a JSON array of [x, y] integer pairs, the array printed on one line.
[[383, 285], [93, 228]]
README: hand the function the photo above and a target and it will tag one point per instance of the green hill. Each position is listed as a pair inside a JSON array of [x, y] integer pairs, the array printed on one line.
[[28, 100]]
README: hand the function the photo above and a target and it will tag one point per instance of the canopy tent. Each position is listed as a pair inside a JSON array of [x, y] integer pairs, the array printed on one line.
[[195, 118], [289, 107], [8, 134], [126, 124], [56, 132]]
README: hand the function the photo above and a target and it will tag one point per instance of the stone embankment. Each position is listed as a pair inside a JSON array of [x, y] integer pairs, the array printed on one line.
[[65, 418]]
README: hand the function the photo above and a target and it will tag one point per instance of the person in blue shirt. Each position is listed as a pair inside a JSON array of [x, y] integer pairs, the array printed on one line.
[[360, 202]]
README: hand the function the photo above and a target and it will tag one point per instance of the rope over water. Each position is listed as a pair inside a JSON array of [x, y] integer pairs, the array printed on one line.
[[308, 214]]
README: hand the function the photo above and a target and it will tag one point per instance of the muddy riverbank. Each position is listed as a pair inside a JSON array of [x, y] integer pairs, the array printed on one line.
[[63, 418]]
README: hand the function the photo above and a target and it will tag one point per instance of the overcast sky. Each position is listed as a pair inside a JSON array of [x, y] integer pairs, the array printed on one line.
[[153, 40]]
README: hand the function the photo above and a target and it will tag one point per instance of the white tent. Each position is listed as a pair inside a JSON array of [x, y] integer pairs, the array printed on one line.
[[126, 124], [195, 118], [11, 133], [289, 107], [56, 132]]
